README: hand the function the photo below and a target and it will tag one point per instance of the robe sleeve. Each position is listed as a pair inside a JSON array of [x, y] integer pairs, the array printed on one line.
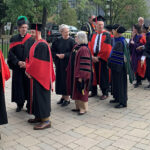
[[147, 47], [72, 44], [116, 59], [12, 58], [54, 49], [83, 64]]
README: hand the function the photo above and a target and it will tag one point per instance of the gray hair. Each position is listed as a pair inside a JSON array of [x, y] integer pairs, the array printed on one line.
[[62, 27], [82, 37], [140, 18]]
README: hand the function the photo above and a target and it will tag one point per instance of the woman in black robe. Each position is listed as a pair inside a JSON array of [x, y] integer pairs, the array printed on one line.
[[61, 50]]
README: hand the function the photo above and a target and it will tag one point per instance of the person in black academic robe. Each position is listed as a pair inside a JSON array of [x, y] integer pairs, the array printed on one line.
[[119, 62], [61, 50], [146, 51], [100, 47], [89, 27], [39, 68], [19, 50], [79, 73], [4, 75]]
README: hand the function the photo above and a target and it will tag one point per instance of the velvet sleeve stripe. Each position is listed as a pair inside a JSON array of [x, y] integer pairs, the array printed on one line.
[[86, 64], [83, 69], [119, 53], [85, 58], [118, 58], [116, 62]]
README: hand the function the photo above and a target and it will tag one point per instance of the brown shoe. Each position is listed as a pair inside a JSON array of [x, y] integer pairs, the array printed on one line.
[[42, 125], [36, 120], [103, 97]]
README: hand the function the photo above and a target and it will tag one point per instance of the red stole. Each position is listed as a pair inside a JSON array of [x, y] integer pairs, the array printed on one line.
[[4, 69], [41, 70], [141, 70], [13, 44]]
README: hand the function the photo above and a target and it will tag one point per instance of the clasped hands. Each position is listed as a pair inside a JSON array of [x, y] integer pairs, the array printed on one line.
[[60, 56]]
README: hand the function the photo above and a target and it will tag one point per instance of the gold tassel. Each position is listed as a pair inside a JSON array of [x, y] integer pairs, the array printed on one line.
[[83, 92]]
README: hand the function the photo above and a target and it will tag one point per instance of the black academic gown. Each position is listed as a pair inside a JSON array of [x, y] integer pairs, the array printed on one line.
[[118, 73], [146, 53], [3, 114], [41, 106], [62, 46], [4, 75], [20, 82]]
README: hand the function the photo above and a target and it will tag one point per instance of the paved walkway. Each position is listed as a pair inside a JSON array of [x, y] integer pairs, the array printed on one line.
[[102, 128]]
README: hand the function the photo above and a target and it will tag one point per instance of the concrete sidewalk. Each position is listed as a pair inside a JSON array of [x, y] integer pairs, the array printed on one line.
[[102, 128]]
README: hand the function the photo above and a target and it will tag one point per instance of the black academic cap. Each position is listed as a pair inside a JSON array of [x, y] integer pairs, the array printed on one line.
[[99, 18], [120, 29], [37, 27], [115, 26], [109, 27], [22, 20]]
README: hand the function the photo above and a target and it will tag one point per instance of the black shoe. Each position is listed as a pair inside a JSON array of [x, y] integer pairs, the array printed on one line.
[[120, 106], [80, 114], [137, 84], [60, 101], [147, 87], [113, 101], [92, 95], [18, 109], [75, 110], [65, 103]]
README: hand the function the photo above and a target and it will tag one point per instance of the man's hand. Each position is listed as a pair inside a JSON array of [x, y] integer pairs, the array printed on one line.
[[23, 65], [132, 42], [80, 80], [95, 59], [139, 48], [60, 56], [28, 75], [142, 63], [20, 63]]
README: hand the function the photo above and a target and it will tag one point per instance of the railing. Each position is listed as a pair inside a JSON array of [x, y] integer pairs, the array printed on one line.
[[4, 46]]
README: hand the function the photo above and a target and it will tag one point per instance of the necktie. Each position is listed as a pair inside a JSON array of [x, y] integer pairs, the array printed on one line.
[[97, 45]]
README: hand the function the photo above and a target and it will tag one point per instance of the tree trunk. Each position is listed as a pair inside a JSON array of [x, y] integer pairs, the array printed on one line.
[[44, 19], [12, 29]]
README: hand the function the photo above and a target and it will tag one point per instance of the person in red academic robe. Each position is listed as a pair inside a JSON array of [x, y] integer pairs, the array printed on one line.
[[79, 72], [4, 75], [39, 68], [100, 47]]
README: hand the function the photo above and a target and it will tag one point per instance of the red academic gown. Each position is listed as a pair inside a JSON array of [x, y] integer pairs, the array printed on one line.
[[4, 75], [80, 66], [103, 54], [141, 70], [40, 67]]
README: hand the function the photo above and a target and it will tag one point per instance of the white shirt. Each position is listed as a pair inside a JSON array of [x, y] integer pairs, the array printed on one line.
[[94, 50]]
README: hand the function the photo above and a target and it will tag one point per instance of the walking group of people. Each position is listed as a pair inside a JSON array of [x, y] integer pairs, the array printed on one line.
[[101, 58]]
